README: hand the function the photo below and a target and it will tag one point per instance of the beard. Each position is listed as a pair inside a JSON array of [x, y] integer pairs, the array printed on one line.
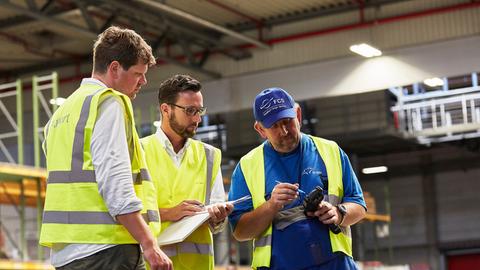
[[185, 132], [288, 143]]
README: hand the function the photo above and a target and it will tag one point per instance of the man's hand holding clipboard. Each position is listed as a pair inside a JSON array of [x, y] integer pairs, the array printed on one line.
[[219, 212]]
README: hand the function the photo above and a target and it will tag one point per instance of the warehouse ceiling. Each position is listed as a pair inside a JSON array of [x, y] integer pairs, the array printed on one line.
[[38, 34]]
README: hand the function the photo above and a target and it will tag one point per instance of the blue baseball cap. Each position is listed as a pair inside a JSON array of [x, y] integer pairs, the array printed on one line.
[[273, 104]]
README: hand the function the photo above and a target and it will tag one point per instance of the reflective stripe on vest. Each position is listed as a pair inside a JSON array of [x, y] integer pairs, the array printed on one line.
[[188, 248], [85, 217], [263, 241], [287, 217], [210, 155], [67, 177]]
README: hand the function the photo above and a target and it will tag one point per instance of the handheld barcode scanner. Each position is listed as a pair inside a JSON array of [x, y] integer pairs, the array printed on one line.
[[311, 202]]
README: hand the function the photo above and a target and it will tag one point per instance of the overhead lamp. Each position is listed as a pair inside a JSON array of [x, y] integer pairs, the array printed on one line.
[[156, 123], [372, 170], [365, 50], [57, 101], [433, 82]]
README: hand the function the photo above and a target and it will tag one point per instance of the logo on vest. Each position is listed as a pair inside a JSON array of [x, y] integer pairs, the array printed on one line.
[[310, 170], [60, 120]]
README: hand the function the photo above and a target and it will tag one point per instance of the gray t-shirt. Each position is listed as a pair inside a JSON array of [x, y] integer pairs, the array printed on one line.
[[111, 160]]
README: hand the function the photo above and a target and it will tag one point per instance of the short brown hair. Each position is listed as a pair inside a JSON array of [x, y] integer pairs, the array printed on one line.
[[122, 45], [169, 89]]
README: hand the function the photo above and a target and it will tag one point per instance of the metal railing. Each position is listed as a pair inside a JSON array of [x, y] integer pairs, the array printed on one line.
[[439, 116], [41, 84], [215, 135], [13, 89]]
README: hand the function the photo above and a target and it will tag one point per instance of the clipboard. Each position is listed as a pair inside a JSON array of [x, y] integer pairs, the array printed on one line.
[[178, 231]]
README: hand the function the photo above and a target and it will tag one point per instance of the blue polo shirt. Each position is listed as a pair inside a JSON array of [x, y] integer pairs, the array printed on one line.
[[304, 244]]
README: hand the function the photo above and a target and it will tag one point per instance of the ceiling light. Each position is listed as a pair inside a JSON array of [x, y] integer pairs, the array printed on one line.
[[372, 170], [156, 123], [433, 82], [365, 50], [57, 101]]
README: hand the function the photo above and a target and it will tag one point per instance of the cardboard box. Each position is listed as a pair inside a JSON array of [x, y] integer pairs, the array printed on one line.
[[370, 201]]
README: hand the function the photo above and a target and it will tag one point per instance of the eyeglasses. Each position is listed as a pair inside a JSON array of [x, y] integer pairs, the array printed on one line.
[[191, 111]]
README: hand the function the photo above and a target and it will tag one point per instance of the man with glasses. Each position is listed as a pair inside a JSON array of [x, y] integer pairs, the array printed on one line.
[[186, 172]]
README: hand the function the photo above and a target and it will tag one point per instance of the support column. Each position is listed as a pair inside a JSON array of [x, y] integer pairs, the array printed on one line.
[[39, 217], [19, 122], [23, 240], [35, 110], [358, 240], [388, 211], [430, 212]]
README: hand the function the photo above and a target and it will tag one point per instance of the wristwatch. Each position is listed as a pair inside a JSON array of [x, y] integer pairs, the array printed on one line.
[[343, 210]]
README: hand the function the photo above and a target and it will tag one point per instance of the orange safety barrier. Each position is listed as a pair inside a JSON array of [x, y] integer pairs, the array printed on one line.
[[14, 265]]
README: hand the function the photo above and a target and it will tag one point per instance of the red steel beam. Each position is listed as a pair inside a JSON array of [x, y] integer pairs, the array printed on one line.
[[361, 8], [257, 22]]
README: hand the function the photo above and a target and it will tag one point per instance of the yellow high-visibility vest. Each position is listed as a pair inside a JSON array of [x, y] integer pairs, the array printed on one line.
[[194, 179], [252, 165], [74, 211]]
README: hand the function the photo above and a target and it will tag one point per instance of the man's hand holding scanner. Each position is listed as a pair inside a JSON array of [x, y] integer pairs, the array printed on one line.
[[327, 213], [283, 194], [183, 209]]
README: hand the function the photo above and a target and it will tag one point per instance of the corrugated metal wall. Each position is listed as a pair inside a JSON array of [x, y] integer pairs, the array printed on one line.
[[387, 36]]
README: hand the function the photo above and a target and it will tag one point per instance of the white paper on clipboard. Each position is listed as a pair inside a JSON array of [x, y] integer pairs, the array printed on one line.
[[178, 231]]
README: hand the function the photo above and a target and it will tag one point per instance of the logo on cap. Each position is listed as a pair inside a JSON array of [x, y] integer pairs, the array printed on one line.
[[273, 104], [270, 104]]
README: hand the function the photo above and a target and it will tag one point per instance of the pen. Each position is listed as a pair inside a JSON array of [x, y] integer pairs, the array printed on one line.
[[299, 190], [239, 200], [242, 199]]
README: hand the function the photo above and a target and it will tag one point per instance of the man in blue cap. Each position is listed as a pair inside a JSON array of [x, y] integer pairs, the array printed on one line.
[[278, 175]]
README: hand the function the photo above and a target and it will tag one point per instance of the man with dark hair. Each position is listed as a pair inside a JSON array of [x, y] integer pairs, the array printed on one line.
[[99, 208], [186, 172], [279, 174]]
